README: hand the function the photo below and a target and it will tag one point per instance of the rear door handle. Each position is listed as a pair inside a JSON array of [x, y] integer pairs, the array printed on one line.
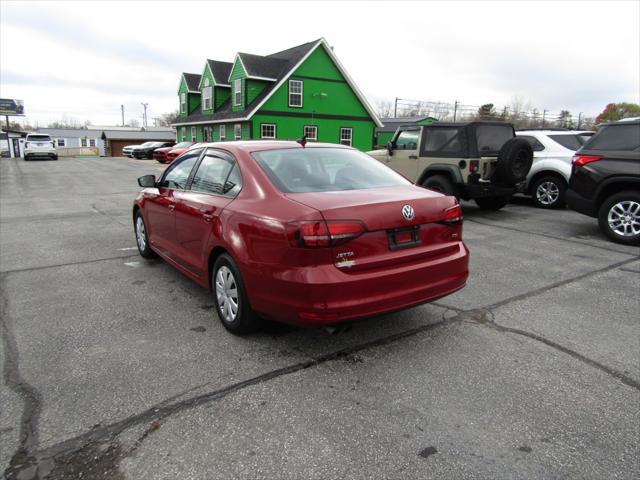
[[414, 157], [171, 206]]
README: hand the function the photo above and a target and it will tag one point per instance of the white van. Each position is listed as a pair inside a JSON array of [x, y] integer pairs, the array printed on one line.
[[39, 145]]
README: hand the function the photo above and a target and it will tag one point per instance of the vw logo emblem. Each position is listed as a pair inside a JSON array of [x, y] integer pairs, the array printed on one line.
[[407, 212]]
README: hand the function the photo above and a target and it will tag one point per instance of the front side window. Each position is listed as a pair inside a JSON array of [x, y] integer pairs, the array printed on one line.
[[300, 170], [60, 142], [183, 103], [407, 140], [237, 131], [193, 134], [237, 91], [311, 132], [267, 130], [213, 175], [223, 132], [207, 95], [295, 93], [346, 136], [177, 175]]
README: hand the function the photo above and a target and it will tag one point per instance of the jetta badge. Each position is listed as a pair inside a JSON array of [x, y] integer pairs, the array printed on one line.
[[407, 212]]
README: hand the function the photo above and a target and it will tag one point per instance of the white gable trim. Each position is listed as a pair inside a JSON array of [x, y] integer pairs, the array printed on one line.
[[246, 72], [206, 67], [350, 81], [182, 79]]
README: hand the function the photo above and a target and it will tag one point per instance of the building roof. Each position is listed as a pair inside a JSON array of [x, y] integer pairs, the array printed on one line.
[[70, 132], [391, 124], [138, 135], [193, 80], [277, 67], [220, 71]]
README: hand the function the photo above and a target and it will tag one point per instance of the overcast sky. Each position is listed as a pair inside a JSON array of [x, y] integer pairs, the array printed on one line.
[[85, 59]]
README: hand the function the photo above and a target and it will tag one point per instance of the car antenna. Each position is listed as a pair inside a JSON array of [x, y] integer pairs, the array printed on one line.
[[302, 141]]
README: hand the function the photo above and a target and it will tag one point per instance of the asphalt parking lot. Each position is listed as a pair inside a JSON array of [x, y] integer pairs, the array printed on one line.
[[115, 367]]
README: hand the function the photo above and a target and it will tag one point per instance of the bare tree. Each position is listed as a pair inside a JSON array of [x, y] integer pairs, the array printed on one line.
[[166, 119], [384, 108]]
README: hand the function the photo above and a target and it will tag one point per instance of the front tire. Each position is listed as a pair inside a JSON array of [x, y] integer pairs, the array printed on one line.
[[491, 203], [619, 217], [548, 192], [142, 239], [230, 297]]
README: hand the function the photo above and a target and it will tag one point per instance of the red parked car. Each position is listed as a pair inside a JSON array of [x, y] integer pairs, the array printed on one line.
[[161, 154], [307, 236], [176, 152]]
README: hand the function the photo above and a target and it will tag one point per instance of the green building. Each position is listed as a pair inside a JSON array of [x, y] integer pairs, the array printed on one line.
[[304, 90], [384, 134]]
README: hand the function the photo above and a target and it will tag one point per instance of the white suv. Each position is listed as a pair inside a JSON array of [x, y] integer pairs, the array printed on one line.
[[549, 175], [39, 145]]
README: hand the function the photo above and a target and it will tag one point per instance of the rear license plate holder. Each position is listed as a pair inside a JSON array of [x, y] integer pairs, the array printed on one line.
[[407, 237]]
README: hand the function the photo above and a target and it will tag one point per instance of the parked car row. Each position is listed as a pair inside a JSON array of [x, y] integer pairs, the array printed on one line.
[[144, 150]]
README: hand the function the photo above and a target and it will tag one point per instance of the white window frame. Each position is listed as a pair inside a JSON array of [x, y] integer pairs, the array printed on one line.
[[237, 91], [263, 125], [207, 96], [223, 132], [194, 134], [92, 142], [315, 132], [183, 102], [84, 142], [236, 127], [184, 134], [295, 82], [343, 138], [63, 144]]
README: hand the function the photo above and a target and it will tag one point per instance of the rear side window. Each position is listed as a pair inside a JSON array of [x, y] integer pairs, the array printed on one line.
[[442, 140], [300, 170], [534, 142], [213, 175], [491, 138], [572, 142], [177, 175], [616, 137]]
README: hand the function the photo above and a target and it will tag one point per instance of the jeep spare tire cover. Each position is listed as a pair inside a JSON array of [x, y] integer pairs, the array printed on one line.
[[514, 161]]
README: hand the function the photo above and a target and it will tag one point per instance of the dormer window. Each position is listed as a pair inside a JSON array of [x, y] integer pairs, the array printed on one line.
[[207, 95], [237, 92], [295, 93], [183, 102]]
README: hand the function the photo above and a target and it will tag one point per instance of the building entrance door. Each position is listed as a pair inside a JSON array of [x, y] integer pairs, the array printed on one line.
[[16, 147]]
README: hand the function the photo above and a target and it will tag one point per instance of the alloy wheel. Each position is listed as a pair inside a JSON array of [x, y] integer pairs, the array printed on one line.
[[141, 235], [624, 218], [547, 193], [227, 294]]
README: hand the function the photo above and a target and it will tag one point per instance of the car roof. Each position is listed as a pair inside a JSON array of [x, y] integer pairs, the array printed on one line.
[[551, 132], [260, 145]]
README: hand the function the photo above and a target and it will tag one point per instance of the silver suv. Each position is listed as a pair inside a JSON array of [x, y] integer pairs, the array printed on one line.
[[39, 145], [483, 161]]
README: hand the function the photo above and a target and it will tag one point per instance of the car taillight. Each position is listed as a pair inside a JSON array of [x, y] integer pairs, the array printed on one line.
[[580, 160], [323, 233], [452, 215], [473, 166]]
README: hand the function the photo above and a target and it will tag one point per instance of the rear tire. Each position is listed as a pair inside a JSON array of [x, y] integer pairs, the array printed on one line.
[[230, 297], [439, 183], [548, 192], [514, 161], [619, 217], [492, 203]]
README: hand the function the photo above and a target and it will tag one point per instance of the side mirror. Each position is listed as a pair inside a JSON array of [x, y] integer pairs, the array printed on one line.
[[147, 181], [390, 148]]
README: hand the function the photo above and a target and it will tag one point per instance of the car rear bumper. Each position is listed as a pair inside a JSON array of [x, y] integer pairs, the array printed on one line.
[[42, 154], [478, 190], [577, 202], [326, 295]]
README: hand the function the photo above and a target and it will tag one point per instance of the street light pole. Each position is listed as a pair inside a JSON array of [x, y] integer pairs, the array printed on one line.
[[144, 105]]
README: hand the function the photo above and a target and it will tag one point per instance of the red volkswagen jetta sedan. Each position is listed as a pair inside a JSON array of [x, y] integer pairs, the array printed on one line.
[[305, 235]]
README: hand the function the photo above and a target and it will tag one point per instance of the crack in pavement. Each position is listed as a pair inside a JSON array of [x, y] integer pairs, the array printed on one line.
[[31, 398], [163, 410], [546, 235], [59, 265]]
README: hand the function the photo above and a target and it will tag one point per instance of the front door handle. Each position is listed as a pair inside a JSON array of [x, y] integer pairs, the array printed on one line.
[[414, 157], [171, 206]]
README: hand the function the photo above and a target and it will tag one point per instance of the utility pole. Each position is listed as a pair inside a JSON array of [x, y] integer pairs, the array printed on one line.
[[395, 109], [122, 110], [144, 117], [544, 116], [579, 120], [455, 110]]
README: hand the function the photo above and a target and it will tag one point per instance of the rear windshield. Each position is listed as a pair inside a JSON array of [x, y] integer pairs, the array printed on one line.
[[616, 137], [300, 170], [491, 138], [572, 142], [38, 138]]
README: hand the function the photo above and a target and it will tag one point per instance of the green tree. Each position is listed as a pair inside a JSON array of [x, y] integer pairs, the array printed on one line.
[[616, 111], [487, 111]]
